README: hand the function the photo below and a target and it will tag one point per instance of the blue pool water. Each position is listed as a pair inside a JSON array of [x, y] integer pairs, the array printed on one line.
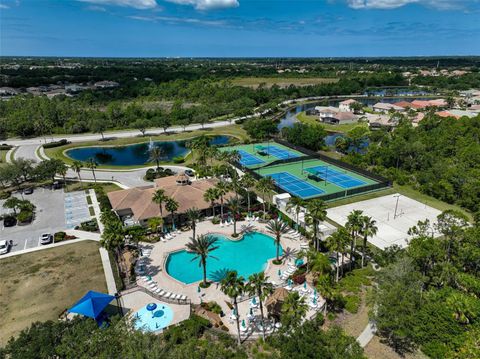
[[152, 321], [137, 154], [247, 256]]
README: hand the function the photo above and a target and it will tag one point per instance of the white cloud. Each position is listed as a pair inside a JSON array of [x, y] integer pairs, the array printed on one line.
[[208, 4], [392, 4], [137, 4], [3, 6]]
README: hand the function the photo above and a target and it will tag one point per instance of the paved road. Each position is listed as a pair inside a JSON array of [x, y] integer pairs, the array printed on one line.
[[27, 152]]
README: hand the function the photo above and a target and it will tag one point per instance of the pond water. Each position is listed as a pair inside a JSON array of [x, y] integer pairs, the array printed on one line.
[[136, 154]]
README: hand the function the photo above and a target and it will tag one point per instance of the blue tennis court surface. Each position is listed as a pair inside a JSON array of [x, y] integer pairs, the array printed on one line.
[[275, 151], [295, 185], [334, 176], [248, 159]]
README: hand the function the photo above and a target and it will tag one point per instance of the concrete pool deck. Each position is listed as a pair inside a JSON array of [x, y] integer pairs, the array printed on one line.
[[155, 267]]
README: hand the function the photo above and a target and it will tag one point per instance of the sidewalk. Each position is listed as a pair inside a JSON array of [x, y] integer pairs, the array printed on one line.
[[367, 334]]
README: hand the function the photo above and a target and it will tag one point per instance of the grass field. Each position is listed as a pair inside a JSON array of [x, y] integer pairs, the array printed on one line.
[[77, 186], [235, 131], [39, 286], [304, 118], [282, 82], [3, 157]]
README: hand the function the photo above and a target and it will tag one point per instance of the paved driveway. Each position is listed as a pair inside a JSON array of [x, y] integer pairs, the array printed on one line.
[[50, 218]]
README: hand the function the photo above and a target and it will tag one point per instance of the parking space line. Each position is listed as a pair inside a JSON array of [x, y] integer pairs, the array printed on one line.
[[26, 242]]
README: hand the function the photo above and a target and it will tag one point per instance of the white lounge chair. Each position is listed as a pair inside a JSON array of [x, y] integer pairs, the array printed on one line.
[[183, 297], [167, 295]]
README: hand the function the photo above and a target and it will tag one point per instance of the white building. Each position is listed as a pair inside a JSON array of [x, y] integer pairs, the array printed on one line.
[[345, 106]]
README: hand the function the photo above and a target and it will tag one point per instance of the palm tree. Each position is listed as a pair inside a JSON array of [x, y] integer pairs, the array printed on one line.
[[294, 310], [337, 243], [234, 205], [265, 185], [247, 182], [259, 286], [156, 154], [317, 212], [211, 195], [159, 198], [193, 215], [77, 167], [277, 228], [62, 171], [155, 223], [171, 205], [296, 203], [202, 247], [354, 225], [222, 188], [92, 164], [369, 229], [233, 286]]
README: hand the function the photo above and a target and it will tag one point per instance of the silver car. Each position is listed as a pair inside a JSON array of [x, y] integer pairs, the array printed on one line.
[[46, 238]]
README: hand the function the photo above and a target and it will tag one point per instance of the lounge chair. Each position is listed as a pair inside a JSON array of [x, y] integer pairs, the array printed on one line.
[[183, 297], [167, 295], [221, 223]]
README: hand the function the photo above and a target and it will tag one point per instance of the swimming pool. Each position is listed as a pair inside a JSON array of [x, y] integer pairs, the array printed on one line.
[[155, 320], [247, 256]]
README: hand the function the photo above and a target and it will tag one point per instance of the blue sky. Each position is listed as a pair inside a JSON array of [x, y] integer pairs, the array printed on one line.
[[243, 28]]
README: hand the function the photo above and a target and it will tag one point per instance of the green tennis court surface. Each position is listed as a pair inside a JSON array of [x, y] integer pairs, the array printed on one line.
[[259, 154]]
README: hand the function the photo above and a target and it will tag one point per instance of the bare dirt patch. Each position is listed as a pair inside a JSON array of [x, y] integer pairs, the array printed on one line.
[[39, 286], [378, 350]]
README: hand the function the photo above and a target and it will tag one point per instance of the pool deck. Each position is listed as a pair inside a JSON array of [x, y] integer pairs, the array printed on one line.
[[155, 265]]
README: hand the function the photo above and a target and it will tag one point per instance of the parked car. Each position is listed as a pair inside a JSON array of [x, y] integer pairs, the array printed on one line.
[[4, 246], [9, 221], [190, 173], [28, 190], [56, 185], [46, 238]]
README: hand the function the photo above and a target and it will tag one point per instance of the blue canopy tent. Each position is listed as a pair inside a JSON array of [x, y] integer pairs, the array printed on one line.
[[92, 304]]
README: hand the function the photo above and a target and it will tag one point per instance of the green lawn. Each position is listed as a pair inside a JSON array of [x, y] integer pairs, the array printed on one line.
[[282, 81], [39, 286], [3, 157], [235, 131], [77, 186], [304, 118]]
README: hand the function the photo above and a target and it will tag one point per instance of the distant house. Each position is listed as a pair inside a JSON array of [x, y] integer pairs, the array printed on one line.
[[333, 115], [420, 104], [136, 205], [386, 107], [106, 84], [377, 121], [404, 104], [456, 113], [345, 106]]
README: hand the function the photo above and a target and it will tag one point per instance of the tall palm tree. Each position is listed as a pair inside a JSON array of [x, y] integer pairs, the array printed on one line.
[[354, 225], [317, 212], [155, 223], [202, 247], [92, 164], [296, 204], [234, 205], [265, 185], [294, 310], [77, 167], [259, 286], [277, 228], [247, 182], [62, 169], [222, 188], [338, 243], [233, 286], [193, 215], [159, 198], [369, 229], [171, 205], [156, 154], [211, 195]]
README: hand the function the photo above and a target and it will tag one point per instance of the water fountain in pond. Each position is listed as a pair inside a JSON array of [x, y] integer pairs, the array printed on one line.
[[150, 145]]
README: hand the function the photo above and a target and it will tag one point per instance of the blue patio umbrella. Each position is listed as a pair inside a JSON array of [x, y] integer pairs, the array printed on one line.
[[289, 282], [234, 311], [305, 285], [254, 301], [151, 307], [314, 301], [315, 293], [198, 289], [251, 311], [279, 272], [174, 227], [92, 304], [243, 323]]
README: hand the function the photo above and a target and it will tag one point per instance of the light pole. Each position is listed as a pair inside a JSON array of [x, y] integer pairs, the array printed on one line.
[[396, 206]]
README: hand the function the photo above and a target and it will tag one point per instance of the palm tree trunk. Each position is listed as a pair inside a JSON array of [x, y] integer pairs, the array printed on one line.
[[221, 207], [238, 320], [248, 202], [351, 249], [261, 313], [263, 199], [234, 226], [93, 173], [80, 179], [338, 268], [364, 249], [204, 265], [278, 247], [343, 261], [173, 220], [315, 228], [193, 228]]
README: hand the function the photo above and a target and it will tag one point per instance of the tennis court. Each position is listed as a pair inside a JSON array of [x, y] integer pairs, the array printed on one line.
[[328, 174], [295, 185], [248, 159], [273, 150]]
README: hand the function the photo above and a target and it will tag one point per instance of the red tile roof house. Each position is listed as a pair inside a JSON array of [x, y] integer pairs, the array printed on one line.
[[430, 103], [136, 203]]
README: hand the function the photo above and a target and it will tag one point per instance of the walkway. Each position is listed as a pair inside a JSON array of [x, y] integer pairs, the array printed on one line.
[[367, 334]]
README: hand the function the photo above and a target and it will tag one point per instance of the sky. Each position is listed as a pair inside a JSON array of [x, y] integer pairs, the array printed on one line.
[[239, 28]]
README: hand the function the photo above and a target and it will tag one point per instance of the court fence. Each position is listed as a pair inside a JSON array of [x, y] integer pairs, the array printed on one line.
[[382, 182]]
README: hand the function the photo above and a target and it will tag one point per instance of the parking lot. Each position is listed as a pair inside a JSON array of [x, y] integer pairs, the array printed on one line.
[[55, 211]]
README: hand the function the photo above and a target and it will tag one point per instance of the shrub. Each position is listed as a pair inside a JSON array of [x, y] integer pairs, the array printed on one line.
[[299, 279], [25, 216], [215, 220], [352, 303], [5, 194], [62, 142], [5, 147], [179, 159], [89, 226], [59, 236]]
